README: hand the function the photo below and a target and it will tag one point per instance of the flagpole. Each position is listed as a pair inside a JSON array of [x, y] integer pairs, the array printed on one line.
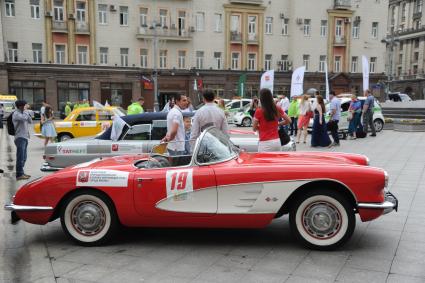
[[155, 64]]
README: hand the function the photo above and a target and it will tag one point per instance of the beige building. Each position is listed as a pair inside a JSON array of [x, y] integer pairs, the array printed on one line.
[[182, 37]]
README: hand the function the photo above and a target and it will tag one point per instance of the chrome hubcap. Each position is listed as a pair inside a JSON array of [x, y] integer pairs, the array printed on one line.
[[322, 220], [88, 218]]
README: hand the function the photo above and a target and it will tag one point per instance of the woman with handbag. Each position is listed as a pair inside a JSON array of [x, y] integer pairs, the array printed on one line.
[[319, 133], [354, 115], [266, 122], [305, 113]]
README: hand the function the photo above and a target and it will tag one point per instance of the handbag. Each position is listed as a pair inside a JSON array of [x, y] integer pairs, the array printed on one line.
[[283, 136], [350, 116]]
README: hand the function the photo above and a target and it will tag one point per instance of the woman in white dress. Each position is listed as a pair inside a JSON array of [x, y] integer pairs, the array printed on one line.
[[47, 126]]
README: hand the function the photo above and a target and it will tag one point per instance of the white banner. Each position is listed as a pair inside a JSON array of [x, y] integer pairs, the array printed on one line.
[[365, 70], [327, 81], [267, 80], [102, 178], [297, 81]]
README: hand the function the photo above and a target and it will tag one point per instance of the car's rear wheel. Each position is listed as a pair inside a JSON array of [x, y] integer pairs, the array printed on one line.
[[322, 219], [246, 122], [379, 125], [64, 137], [89, 218]]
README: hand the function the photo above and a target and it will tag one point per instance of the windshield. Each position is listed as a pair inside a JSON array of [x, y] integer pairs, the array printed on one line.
[[214, 147]]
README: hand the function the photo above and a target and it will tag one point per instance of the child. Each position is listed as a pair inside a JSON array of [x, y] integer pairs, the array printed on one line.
[[187, 125]]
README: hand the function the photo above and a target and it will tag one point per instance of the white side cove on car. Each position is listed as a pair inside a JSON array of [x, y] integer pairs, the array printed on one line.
[[253, 198]]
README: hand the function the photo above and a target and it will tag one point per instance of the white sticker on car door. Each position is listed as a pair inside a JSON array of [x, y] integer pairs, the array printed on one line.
[[179, 182], [88, 124], [102, 178]]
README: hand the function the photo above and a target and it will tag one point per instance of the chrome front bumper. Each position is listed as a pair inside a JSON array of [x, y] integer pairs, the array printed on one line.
[[45, 167], [390, 203], [13, 208]]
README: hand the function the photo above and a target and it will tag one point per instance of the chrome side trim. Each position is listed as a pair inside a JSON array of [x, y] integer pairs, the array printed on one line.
[[14, 207]]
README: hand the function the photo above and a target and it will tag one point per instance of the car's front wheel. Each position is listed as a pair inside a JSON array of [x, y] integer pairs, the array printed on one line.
[[64, 137], [89, 218], [246, 122], [322, 219], [379, 125]]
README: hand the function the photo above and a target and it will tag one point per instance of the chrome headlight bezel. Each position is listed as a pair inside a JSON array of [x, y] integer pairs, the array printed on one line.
[[387, 178], [367, 161]]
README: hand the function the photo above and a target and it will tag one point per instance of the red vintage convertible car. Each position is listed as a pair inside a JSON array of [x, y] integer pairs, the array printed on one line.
[[217, 186]]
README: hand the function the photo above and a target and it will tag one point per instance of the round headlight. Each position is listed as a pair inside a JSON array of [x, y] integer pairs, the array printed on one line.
[[386, 179]]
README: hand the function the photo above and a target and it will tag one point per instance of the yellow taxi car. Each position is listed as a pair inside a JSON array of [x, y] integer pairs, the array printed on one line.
[[8, 102], [86, 121]]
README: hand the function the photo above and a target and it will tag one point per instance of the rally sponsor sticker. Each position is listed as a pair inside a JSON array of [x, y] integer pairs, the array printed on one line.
[[72, 149], [127, 148], [179, 183], [63, 124], [88, 124], [102, 178]]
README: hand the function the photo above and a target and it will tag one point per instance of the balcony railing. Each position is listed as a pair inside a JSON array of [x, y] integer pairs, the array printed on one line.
[[252, 38], [409, 31], [235, 36], [82, 27], [59, 26], [342, 4], [339, 40], [417, 15], [166, 33], [252, 2]]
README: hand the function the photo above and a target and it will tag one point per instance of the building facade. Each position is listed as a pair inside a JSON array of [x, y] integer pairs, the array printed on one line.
[[111, 45]]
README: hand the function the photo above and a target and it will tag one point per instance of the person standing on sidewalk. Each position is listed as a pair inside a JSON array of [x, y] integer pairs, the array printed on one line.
[[335, 113], [293, 112], [1, 115], [21, 118], [175, 127], [368, 113]]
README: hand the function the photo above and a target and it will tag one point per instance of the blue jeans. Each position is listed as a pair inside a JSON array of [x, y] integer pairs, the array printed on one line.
[[1, 121], [21, 155]]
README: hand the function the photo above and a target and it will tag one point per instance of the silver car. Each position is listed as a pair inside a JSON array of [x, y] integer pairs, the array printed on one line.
[[144, 132]]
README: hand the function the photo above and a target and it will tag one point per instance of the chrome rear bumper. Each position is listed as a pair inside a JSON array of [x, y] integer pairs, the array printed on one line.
[[390, 203], [14, 207], [47, 168]]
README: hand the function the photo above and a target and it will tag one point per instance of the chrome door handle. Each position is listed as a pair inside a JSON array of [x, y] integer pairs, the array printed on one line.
[[144, 179]]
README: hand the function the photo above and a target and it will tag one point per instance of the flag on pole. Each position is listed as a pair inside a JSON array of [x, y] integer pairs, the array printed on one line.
[[327, 81], [267, 80], [107, 104], [97, 105], [297, 82], [195, 85], [241, 85], [365, 70]]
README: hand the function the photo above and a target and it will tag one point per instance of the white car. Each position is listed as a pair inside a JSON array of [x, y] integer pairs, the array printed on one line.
[[235, 106], [243, 118], [398, 96]]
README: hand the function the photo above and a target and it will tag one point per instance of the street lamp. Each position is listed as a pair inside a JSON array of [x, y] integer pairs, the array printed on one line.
[[390, 40], [154, 27]]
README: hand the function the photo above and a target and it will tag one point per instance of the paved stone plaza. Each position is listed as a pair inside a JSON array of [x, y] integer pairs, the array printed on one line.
[[390, 249]]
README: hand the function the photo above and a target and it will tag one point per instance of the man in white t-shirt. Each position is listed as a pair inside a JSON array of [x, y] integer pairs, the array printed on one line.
[[175, 127], [284, 103]]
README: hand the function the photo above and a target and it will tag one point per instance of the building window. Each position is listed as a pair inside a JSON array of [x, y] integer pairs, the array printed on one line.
[[143, 17], [199, 59], [322, 63], [416, 42], [218, 22], [163, 17], [372, 64], [182, 23], [269, 25], [284, 63], [235, 61], [374, 30], [285, 23], [82, 55], [323, 28], [37, 53], [102, 8], [403, 12], [356, 29], [117, 94], [400, 58], [200, 21], [13, 51], [35, 9], [33, 92], [103, 51], [58, 10], [252, 61], [182, 59], [307, 27], [252, 25], [60, 53], [217, 59], [338, 28], [416, 57], [234, 23], [143, 58], [337, 67], [306, 61], [10, 8], [81, 11], [268, 62], [354, 63], [123, 16], [124, 57], [418, 6], [73, 92], [163, 59]]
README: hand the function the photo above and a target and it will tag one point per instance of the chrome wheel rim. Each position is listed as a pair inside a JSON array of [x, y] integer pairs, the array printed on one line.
[[246, 122], [65, 138], [378, 126], [88, 218], [321, 220]]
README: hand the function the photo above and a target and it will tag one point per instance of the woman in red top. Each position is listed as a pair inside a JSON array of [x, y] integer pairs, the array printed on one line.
[[266, 121]]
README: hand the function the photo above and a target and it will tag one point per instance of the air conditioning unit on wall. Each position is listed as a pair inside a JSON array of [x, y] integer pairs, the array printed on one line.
[[282, 15], [299, 21], [49, 14], [347, 20], [113, 8]]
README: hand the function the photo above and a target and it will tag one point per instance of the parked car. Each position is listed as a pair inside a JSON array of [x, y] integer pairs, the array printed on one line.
[[83, 122], [235, 106], [242, 117], [216, 187], [398, 96], [143, 132]]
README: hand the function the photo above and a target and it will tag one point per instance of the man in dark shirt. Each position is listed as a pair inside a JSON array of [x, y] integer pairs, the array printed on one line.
[[368, 113]]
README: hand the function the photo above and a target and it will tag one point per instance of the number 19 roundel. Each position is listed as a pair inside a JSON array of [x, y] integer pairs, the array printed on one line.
[[179, 182]]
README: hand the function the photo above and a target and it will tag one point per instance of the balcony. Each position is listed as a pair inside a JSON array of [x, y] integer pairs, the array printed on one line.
[[340, 41], [417, 15], [235, 37], [252, 38], [251, 2], [164, 33], [58, 26], [82, 28], [342, 4]]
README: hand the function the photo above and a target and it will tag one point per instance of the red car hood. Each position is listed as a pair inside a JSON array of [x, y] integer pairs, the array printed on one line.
[[303, 158], [122, 163]]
